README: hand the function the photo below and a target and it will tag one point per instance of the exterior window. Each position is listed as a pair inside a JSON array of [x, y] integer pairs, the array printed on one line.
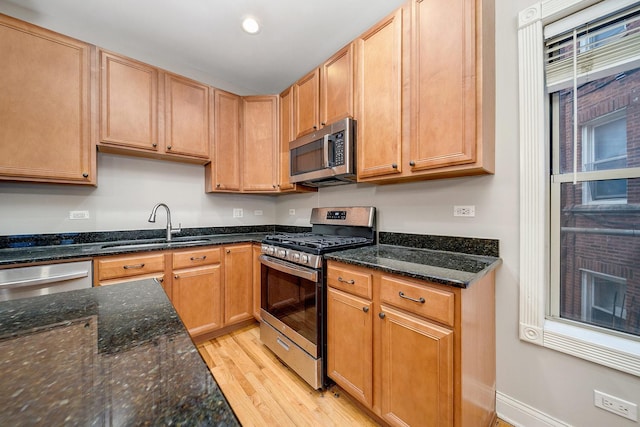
[[605, 148], [604, 300], [580, 179]]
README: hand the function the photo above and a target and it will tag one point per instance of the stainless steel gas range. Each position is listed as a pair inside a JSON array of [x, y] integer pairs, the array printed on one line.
[[293, 286]]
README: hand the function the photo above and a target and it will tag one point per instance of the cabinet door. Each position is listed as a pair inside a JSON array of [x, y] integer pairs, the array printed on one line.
[[306, 103], [336, 87], [197, 297], [238, 284], [46, 131], [223, 173], [260, 143], [257, 278], [286, 135], [349, 344], [379, 98], [417, 370], [443, 83], [128, 102], [186, 117]]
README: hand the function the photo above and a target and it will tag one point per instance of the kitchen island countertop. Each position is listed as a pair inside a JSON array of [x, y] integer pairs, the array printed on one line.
[[113, 355]]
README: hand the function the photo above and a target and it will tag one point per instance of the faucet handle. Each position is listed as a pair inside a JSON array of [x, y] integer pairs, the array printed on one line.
[[177, 230]]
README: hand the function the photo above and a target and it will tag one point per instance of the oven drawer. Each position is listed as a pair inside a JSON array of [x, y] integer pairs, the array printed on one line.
[[432, 303], [353, 281], [305, 365]]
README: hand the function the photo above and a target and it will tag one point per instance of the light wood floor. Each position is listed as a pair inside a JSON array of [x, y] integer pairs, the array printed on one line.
[[264, 392]]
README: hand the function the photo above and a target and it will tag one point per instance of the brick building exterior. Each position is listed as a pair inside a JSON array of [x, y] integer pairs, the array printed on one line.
[[600, 221]]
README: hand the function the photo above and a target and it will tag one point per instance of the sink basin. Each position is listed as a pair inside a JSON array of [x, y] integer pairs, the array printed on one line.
[[153, 244]]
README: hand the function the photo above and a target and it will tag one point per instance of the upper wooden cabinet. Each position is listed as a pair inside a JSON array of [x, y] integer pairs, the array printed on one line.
[[380, 112], [186, 117], [325, 95], [444, 127], [223, 173], [260, 143], [149, 112], [47, 97]]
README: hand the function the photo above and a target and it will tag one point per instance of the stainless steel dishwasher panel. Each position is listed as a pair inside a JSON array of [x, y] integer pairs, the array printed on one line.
[[24, 282]]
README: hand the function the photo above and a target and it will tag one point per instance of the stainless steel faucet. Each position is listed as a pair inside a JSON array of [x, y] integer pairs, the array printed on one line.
[[170, 229]]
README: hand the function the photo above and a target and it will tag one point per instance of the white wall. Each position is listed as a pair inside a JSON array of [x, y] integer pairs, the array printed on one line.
[[536, 386], [128, 188]]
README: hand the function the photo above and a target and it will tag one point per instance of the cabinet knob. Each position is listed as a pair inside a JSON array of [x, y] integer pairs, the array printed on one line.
[[381, 315], [176, 276], [412, 163], [154, 145], [274, 186], [217, 185], [160, 279], [86, 175], [323, 124], [228, 251], [394, 165], [365, 309], [315, 127], [168, 147]]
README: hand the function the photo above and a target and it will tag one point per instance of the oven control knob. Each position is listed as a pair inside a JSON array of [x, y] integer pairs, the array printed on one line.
[[296, 257], [282, 253], [304, 259], [269, 250]]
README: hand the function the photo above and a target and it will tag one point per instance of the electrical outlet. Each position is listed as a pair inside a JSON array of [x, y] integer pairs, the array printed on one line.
[[257, 212], [616, 405], [292, 211], [237, 212], [78, 214], [464, 210]]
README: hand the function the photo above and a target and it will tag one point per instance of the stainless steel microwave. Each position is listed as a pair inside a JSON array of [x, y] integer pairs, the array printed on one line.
[[326, 156]]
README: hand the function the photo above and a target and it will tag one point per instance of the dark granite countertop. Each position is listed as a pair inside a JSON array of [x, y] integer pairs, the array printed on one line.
[[444, 267], [55, 252], [113, 355]]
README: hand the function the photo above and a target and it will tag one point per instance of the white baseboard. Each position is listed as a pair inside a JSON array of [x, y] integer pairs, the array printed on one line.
[[522, 415]]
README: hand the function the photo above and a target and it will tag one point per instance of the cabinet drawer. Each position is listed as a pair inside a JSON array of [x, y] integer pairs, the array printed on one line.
[[128, 266], [420, 299], [194, 258], [350, 280]]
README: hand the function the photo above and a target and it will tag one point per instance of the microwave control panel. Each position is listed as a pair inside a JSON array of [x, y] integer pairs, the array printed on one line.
[[338, 148]]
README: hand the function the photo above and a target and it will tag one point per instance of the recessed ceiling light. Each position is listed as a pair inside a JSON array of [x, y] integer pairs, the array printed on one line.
[[250, 25]]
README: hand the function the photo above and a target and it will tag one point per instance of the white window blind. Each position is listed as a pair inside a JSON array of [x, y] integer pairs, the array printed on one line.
[[592, 50]]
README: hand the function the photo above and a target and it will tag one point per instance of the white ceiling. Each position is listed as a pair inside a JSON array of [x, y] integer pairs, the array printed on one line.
[[203, 39]]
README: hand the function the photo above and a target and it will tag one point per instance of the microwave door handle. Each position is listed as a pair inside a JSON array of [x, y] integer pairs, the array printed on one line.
[[326, 151]]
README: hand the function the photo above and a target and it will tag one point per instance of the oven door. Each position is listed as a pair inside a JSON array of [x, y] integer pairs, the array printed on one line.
[[291, 302]]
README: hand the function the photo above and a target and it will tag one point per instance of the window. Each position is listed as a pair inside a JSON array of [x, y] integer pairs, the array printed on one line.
[[604, 300], [605, 147], [580, 179]]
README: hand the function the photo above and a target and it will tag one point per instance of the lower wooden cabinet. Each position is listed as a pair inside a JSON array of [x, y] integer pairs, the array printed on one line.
[[197, 298], [412, 352], [210, 287], [417, 370], [349, 344], [238, 283]]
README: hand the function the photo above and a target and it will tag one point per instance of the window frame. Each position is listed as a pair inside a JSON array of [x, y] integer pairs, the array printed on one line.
[[535, 326]]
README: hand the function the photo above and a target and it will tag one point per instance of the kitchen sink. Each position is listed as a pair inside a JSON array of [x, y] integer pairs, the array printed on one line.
[[161, 243]]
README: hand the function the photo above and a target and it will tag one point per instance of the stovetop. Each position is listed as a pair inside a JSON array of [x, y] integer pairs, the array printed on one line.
[[313, 241]]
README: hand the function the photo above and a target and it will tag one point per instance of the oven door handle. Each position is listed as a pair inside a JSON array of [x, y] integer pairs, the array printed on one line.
[[289, 268]]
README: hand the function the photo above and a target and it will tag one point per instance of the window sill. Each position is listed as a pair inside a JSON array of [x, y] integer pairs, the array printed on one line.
[[608, 350]]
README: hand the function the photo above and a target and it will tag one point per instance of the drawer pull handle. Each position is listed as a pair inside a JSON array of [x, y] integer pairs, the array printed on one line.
[[201, 258], [282, 343], [134, 266], [420, 300], [348, 282]]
